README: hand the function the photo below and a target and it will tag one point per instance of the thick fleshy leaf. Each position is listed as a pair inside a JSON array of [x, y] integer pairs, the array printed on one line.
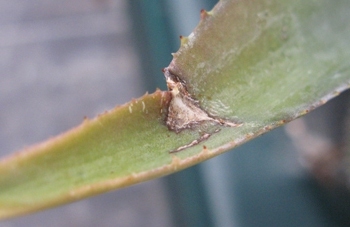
[[260, 63], [283, 57]]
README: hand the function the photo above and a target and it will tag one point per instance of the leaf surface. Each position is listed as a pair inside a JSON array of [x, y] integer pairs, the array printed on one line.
[[261, 63]]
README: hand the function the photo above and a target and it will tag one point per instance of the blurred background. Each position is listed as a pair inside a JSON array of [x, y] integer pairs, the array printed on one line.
[[63, 60]]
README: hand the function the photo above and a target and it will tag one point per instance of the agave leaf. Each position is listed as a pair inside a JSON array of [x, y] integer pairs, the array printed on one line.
[[261, 63]]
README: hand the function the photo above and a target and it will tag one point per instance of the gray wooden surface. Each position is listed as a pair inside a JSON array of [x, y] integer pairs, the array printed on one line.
[[61, 61]]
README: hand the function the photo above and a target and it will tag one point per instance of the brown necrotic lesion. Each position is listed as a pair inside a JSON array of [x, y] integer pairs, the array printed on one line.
[[184, 111]]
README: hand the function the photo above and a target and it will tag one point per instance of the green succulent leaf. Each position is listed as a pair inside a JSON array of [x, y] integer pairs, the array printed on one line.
[[258, 63]]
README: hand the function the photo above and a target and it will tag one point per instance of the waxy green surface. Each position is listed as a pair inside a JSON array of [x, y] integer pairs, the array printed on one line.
[[262, 63]]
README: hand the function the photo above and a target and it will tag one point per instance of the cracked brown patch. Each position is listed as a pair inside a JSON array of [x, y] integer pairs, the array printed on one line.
[[184, 111]]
